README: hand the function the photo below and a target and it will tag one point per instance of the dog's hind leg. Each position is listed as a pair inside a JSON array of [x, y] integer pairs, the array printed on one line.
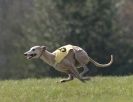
[[84, 71], [75, 73]]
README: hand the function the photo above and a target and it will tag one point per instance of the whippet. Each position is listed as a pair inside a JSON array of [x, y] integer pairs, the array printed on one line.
[[75, 58]]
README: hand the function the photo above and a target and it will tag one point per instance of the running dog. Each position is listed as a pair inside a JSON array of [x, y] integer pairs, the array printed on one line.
[[65, 59]]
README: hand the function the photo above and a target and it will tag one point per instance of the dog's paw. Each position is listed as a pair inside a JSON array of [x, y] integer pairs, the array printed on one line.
[[86, 78], [61, 81]]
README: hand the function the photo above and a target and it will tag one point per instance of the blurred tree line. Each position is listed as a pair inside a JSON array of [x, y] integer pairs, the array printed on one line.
[[101, 27]]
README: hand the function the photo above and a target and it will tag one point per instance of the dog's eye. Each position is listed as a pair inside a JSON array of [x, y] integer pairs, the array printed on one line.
[[33, 49]]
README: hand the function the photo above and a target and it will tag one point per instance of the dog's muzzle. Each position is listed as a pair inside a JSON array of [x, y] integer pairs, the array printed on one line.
[[29, 56]]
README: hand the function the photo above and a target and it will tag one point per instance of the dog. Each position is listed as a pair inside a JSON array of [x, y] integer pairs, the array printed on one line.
[[66, 59]]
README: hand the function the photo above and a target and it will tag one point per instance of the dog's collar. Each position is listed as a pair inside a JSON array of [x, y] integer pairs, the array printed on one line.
[[41, 54]]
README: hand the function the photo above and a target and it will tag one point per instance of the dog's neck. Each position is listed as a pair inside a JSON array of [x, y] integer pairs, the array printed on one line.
[[48, 57]]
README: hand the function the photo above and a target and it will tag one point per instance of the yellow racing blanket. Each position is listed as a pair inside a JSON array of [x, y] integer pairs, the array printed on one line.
[[61, 52]]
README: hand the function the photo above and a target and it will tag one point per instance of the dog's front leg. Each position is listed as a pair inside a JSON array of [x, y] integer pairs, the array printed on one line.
[[70, 77]]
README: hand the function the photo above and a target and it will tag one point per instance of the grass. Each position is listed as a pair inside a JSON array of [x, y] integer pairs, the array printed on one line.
[[98, 89]]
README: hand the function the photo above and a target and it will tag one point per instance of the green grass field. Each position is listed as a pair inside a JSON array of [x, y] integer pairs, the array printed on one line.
[[98, 89]]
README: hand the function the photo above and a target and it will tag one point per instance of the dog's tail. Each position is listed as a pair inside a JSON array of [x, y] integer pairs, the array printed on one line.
[[101, 65]]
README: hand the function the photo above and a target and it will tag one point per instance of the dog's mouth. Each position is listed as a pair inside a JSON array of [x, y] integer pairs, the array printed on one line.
[[29, 56]]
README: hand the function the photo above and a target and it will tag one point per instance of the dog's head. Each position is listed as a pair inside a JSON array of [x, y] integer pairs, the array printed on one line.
[[35, 52]]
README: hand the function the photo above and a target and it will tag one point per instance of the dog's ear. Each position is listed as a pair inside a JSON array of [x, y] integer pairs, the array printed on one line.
[[44, 47]]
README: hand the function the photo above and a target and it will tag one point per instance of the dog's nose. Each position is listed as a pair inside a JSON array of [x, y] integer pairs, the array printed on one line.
[[25, 54]]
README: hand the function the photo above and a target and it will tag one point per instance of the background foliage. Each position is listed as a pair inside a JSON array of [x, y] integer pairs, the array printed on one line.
[[101, 27]]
